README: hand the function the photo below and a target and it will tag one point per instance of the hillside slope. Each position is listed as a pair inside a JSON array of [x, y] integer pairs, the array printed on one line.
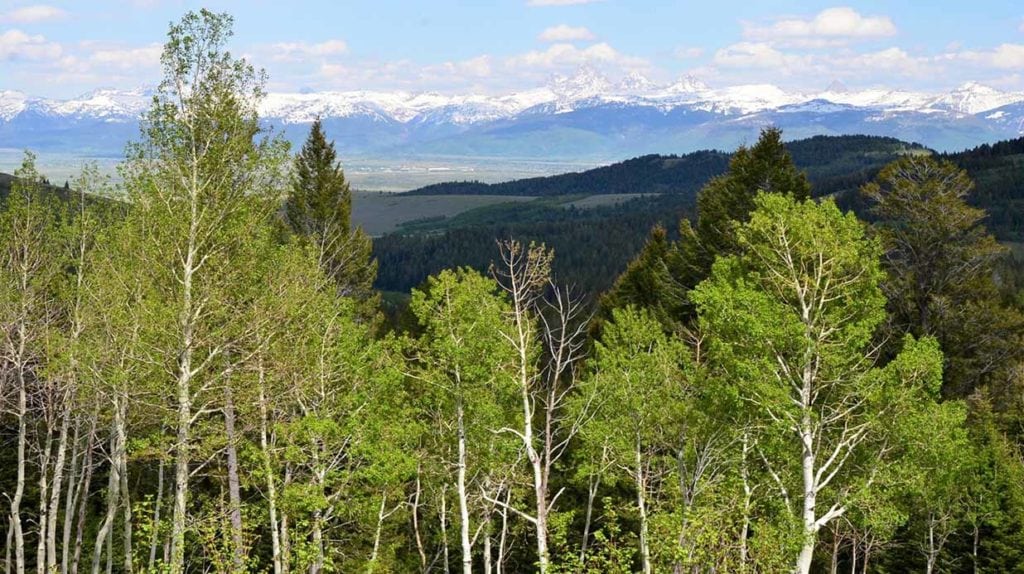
[[827, 159], [593, 246]]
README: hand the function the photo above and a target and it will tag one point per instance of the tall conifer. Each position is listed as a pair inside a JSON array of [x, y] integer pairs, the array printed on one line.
[[319, 208], [664, 272]]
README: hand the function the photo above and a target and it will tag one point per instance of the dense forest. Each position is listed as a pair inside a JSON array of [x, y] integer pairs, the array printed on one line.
[[596, 244], [196, 375]]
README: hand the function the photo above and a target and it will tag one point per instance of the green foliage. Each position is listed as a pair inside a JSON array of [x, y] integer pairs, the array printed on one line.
[[319, 208], [668, 271], [612, 550], [790, 321], [656, 280], [734, 413], [645, 174], [764, 168], [640, 380], [941, 261], [596, 245], [758, 304]]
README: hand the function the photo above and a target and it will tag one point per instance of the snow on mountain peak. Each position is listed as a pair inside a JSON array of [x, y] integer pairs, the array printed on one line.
[[753, 98], [586, 87], [837, 87], [974, 98], [635, 83], [12, 103], [106, 103], [587, 82], [688, 84]]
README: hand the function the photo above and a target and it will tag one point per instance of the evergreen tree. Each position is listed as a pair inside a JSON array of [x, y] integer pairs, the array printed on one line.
[[766, 167], [941, 261], [655, 280], [665, 272], [319, 208]]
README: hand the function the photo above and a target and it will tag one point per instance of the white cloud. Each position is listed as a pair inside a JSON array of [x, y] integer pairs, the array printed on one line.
[[141, 58], [568, 55], [688, 53], [891, 60], [456, 76], [747, 62], [479, 67], [754, 55], [832, 23], [565, 33], [17, 45], [559, 2], [289, 51], [1002, 57], [1009, 56], [1021, 27], [32, 14]]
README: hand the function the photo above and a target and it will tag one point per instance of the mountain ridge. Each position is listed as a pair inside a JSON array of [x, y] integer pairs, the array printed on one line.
[[585, 88], [584, 116]]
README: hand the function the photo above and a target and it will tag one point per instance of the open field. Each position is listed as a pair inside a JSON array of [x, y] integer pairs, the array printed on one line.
[[605, 199], [382, 212]]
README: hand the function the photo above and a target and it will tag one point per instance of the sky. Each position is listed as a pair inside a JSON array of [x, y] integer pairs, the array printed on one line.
[[63, 49]]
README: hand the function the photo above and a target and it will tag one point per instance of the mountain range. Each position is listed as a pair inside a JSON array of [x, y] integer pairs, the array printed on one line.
[[583, 117]]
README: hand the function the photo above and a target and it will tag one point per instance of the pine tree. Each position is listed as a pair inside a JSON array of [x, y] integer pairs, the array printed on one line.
[[765, 167], [665, 272], [319, 208], [656, 280], [941, 261]]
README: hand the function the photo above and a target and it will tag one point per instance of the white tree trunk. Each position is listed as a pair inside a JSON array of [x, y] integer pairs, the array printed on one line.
[[467, 545], [444, 531], [113, 491], [186, 324], [503, 539], [268, 471], [376, 536], [234, 486], [933, 550], [286, 544], [70, 497], [416, 522], [55, 491], [126, 501], [747, 498], [810, 493], [19, 489], [592, 487], [83, 498], [488, 566], [641, 503], [43, 519]]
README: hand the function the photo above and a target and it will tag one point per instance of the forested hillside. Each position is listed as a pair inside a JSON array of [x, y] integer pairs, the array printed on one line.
[[199, 379], [595, 245]]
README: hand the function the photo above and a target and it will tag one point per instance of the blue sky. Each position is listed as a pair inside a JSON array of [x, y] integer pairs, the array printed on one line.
[[61, 49]]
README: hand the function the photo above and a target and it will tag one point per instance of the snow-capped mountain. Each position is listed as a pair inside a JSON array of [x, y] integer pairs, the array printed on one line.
[[583, 116]]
